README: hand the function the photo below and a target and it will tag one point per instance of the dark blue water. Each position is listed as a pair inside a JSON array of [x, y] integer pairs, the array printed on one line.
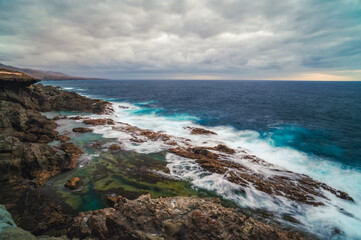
[[319, 118]]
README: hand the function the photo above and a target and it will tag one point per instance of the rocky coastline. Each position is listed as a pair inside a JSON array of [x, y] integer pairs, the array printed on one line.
[[28, 162]]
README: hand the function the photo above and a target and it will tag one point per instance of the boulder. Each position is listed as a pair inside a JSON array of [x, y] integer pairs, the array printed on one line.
[[73, 183]]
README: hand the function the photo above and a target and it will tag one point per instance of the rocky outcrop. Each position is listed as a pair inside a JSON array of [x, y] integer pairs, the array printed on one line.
[[171, 218], [239, 167], [9, 230], [283, 183], [201, 131], [26, 160], [11, 78]]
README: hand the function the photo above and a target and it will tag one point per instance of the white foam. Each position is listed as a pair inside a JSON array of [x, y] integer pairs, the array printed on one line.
[[318, 220]]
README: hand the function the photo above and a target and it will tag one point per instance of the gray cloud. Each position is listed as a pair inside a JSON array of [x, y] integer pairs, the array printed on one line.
[[174, 39]]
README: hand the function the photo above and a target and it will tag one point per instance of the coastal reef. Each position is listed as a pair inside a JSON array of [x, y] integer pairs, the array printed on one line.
[[171, 218]]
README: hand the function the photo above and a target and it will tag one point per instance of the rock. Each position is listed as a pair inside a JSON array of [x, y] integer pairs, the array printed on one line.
[[62, 138], [76, 118], [171, 229], [59, 118], [201, 131], [172, 218], [9, 230], [82, 130], [73, 183], [26, 160], [97, 122], [72, 154], [294, 186], [114, 147], [224, 148], [12, 79]]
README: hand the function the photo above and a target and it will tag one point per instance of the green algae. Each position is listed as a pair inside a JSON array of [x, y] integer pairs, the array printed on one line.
[[125, 173], [109, 173]]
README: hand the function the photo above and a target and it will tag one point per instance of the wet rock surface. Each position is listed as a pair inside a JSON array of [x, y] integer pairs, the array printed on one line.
[[96, 122], [201, 131], [296, 187], [82, 130], [171, 218]]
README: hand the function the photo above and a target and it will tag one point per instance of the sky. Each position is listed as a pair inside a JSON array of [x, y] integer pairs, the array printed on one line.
[[203, 39]]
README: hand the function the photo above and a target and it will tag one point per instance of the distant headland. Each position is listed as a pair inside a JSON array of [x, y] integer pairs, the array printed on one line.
[[46, 75]]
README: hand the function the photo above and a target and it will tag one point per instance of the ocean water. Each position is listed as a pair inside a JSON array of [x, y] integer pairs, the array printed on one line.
[[312, 128]]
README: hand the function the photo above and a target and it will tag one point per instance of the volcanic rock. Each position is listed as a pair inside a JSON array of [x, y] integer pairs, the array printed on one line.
[[82, 130], [26, 160], [294, 186], [72, 154], [97, 122], [62, 138], [171, 218], [73, 183], [11, 78], [201, 131]]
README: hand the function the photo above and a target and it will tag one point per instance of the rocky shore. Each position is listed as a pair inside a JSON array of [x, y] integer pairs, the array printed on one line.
[[28, 162]]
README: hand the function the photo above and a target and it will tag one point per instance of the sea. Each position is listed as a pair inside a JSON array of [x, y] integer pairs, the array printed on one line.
[[312, 128]]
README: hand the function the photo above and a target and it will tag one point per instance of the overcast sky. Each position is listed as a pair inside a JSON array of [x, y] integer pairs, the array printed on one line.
[[215, 39]]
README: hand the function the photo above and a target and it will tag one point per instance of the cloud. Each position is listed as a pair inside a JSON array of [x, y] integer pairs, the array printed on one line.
[[174, 39]]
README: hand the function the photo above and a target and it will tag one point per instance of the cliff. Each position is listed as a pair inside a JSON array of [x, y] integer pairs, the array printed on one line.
[[26, 160]]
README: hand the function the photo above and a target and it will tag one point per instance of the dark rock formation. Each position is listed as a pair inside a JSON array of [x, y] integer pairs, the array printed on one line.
[[62, 138], [11, 78], [9, 230], [73, 183], [171, 218], [201, 131], [296, 187], [26, 160], [97, 122], [82, 130]]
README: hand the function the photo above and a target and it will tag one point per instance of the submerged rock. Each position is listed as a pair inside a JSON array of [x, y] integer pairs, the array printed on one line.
[[171, 218]]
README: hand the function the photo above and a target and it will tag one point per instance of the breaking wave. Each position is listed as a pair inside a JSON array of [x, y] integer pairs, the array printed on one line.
[[325, 221]]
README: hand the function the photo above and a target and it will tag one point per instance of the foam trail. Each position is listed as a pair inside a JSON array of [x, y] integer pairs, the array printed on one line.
[[318, 220]]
